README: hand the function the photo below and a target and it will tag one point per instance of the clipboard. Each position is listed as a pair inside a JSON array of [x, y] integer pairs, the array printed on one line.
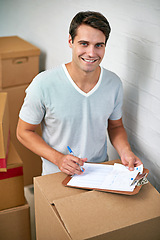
[[135, 191]]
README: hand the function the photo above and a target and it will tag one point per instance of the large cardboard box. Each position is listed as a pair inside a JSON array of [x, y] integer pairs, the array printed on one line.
[[4, 131], [19, 61], [11, 182], [70, 213], [15, 223], [32, 163]]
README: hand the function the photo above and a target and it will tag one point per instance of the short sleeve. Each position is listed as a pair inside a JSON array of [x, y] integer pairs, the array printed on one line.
[[117, 112], [33, 108]]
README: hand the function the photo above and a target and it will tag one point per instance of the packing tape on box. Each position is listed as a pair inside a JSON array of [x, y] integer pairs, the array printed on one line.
[[12, 172], [3, 161], [3, 164]]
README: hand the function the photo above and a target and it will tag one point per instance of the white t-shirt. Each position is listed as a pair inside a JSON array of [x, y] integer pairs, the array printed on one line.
[[70, 116]]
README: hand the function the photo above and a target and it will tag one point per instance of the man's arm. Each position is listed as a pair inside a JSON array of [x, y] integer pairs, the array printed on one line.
[[29, 138], [118, 138]]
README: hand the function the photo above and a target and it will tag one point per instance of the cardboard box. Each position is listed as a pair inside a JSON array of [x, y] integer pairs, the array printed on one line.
[[4, 131], [70, 213], [15, 223], [11, 182], [32, 163], [19, 61]]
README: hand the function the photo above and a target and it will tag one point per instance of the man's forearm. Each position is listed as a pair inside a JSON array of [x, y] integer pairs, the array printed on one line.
[[34, 142], [118, 136], [119, 140]]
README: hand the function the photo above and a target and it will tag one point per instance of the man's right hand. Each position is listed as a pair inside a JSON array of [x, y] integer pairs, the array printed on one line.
[[69, 164]]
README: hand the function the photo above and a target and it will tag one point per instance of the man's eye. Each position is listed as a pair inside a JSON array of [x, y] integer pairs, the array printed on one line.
[[84, 44], [99, 45]]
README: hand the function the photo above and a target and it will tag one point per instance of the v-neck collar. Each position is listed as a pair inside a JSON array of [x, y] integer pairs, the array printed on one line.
[[77, 88]]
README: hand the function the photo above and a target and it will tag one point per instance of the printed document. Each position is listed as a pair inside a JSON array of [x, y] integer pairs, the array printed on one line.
[[111, 177]]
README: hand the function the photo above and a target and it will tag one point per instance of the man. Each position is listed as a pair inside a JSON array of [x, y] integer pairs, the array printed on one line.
[[76, 103]]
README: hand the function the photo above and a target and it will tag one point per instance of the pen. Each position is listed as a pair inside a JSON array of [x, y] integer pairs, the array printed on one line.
[[71, 152]]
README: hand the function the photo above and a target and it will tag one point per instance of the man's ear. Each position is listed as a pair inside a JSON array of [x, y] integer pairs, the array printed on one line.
[[70, 41]]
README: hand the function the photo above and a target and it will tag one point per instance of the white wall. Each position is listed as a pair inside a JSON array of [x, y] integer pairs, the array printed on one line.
[[133, 52]]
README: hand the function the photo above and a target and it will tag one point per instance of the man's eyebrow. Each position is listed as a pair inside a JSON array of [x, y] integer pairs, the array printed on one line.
[[84, 41], [100, 43]]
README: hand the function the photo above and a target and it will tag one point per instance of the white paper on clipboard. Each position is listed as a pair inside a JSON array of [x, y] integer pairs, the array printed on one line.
[[111, 177]]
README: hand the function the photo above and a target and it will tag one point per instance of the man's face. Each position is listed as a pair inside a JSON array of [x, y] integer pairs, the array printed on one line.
[[88, 48]]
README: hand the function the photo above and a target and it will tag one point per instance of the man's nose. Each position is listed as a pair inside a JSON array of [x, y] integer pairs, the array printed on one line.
[[91, 51]]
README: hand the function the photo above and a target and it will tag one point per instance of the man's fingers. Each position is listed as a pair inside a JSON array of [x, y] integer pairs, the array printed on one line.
[[131, 164], [77, 160], [84, 160], [72, 168], [138, 162], [72, 165], [130, 160]]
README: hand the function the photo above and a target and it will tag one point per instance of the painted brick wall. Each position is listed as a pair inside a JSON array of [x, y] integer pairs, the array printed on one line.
[[133, 52]]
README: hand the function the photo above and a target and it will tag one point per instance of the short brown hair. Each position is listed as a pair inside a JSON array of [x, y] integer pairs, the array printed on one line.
[[92, 19]]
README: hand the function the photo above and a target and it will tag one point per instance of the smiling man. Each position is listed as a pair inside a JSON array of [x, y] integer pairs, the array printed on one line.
[[76, 103]]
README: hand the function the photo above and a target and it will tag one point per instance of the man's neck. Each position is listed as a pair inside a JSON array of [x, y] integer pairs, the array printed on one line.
[[84, 80]]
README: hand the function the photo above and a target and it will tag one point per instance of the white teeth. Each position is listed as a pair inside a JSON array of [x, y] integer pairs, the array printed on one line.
[[87, 60]]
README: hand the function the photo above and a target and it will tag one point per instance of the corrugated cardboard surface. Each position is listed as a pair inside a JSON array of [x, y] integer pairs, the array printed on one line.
[[19, 61], [18, 71], [12, 188], [48, 222], [31, 162], [81, 214], [14, 46], [4, 125], [106, 212], [15, 223]]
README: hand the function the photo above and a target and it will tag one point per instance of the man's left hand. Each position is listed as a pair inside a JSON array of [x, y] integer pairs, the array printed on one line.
[[130, 160]]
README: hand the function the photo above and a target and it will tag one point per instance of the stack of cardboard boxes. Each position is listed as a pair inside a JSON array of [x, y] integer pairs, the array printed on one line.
[[19, 63], [14, 210]]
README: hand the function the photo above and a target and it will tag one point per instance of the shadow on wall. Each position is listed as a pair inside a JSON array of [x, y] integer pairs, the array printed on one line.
[[139, 60], [138, 75], [42, 61]]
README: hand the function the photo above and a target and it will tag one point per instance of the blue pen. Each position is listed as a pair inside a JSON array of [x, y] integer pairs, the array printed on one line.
[[71, 152]]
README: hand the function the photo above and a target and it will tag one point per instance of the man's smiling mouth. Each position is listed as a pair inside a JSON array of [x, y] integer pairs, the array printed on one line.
[[89, 60]]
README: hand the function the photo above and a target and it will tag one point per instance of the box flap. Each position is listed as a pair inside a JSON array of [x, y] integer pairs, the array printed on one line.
[[4, 125], [85, 215], [13, 159], [51, 186], [13, 209], [14, 46], [3, 102]]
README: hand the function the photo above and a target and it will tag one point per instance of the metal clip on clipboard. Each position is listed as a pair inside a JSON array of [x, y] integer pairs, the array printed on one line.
[[141, 179]]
